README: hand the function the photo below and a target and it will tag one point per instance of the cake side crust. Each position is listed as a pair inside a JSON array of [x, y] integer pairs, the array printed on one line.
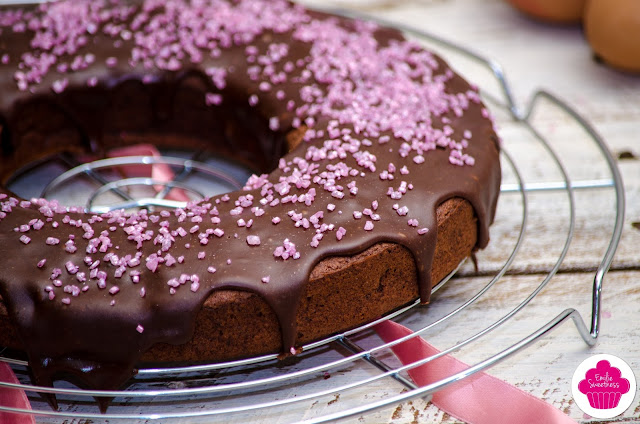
[[382, 278]]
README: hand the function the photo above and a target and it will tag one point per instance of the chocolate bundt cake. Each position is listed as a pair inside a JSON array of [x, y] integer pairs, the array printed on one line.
[[376, 173]]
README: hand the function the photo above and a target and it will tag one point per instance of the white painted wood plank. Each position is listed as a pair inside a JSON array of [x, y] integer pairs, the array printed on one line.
[[557, 58]]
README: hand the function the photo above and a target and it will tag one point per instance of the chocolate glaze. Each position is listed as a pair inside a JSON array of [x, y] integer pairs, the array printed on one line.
[[97, 341]]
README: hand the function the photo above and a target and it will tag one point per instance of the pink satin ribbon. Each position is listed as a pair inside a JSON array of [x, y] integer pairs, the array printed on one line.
[[159, 172], [13, 398], [479, 399]]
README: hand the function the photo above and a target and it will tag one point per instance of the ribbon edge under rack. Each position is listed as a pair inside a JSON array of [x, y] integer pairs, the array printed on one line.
[[480, 399]]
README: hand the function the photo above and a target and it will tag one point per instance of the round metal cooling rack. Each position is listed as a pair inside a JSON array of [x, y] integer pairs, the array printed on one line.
[[222, 181], [354, 365]]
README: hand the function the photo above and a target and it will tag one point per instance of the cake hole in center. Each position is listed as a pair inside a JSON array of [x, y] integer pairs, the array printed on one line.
[[169, 180]]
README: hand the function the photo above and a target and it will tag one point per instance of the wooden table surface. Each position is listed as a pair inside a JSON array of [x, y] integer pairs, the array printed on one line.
[[533, 56]]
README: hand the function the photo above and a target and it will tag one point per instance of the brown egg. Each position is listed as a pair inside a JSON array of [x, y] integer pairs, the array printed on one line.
[[557, 11], [612, 28]]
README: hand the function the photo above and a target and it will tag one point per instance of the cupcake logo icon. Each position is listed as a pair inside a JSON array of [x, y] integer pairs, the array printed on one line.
[[604, 386]]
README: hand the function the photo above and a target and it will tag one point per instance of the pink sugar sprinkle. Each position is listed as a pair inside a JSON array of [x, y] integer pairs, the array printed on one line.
[[264, 86], [274, 124], [211, 270], [59, 86], [42, 263], [119, 272], [143, 292], [423, 231], [402, 211], [66, 300], [140, 329], [213, 99], [70, 246], [201, 255], [25, 239], [52, 241], [266, 279], [286, 251], [253, 240], [152, 263], [368, 226], [114, 290], [412, 222], [71, 268], [340, 233], [195, 285], [169, 260]]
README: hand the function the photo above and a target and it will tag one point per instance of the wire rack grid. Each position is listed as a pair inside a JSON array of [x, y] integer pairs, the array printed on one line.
[[353, 366]]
